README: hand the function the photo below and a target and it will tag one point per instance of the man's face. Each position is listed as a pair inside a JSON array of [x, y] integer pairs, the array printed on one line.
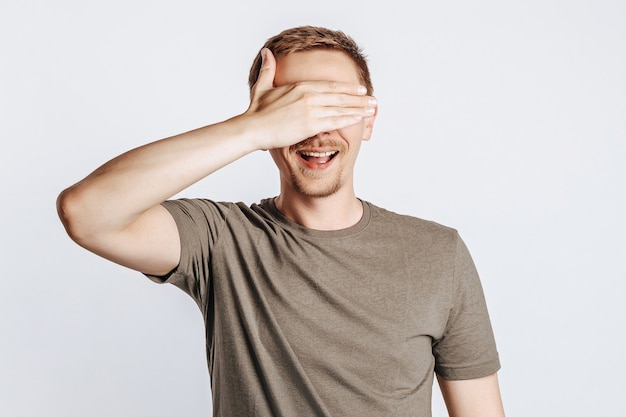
[[323, 164]]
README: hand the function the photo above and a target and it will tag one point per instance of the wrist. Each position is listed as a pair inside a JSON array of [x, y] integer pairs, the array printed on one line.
[[250, 132]]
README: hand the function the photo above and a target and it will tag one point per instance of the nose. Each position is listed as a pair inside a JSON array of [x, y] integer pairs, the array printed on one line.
[[321, 135], [320, 139]]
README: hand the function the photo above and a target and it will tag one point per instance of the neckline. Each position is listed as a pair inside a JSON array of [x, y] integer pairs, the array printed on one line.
[[270, 206]]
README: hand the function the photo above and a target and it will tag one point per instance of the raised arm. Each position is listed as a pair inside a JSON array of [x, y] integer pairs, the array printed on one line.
[[473, 397], [115, 212]]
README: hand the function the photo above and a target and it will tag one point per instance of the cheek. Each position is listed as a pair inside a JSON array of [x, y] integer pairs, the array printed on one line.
[[276, 156], [280, 158]]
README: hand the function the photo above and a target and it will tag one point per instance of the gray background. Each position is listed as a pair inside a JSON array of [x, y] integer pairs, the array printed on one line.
[[505, 120]]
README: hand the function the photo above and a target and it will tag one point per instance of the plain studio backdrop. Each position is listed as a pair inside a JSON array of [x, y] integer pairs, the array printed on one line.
[[505, 120]]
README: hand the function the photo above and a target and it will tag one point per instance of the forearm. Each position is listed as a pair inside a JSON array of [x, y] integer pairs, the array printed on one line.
[[112, 197]]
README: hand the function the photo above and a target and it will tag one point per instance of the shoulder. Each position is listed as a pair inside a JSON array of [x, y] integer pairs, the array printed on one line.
[[202, 207], [199, 216], [404, 224]]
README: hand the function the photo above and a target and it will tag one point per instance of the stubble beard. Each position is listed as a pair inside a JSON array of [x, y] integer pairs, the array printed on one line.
[[302, 186]]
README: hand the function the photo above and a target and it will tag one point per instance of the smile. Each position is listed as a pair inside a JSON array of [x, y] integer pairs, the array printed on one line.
[[318, 157]]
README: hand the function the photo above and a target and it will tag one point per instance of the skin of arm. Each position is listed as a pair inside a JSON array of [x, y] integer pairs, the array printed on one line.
[[478, 397], [115, 211]]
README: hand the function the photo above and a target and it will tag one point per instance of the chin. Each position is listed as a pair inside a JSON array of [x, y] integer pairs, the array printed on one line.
[[310, 189]]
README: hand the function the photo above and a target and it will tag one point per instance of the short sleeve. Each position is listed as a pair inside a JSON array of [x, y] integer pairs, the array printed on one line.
[[467, 348], [198, 222]]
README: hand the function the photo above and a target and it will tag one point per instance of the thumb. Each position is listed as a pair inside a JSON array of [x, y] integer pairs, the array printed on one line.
[[266, 74]]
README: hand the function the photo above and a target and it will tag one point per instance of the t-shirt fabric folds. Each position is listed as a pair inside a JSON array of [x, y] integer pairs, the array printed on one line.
[[351, 322]]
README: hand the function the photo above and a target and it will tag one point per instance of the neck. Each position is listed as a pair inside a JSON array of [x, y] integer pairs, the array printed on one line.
[[338, 211]]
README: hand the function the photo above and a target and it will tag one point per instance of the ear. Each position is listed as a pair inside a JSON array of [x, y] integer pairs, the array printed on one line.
[[369, 125]]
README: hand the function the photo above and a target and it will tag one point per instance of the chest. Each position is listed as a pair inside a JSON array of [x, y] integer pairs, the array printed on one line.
[[368, 289], [345, 316]]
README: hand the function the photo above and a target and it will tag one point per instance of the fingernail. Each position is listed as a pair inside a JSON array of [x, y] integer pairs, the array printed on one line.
[[362, 89], [372, 101], [263, 53]]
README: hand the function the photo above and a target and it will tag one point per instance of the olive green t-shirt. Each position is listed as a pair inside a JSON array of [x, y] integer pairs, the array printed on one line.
[[352, 322]]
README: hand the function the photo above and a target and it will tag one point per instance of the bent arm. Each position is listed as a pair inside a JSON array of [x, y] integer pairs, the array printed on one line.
[[478, 397], [115, 212]]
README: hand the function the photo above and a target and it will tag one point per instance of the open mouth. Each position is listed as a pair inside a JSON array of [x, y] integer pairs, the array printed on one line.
[[318, 157]]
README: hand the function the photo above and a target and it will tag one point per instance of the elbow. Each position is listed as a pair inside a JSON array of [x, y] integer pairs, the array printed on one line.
[[71, 213]]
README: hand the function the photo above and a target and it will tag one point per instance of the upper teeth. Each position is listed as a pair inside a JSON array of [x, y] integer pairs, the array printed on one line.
[[317, 154]]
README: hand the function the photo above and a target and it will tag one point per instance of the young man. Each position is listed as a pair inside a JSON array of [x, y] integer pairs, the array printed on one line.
[[316, 303]]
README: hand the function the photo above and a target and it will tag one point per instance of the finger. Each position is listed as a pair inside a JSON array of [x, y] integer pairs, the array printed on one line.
[[334, 118], [356, 113], [341, 100], [335, 87], [266, 74], [339, 122], [350, 101]]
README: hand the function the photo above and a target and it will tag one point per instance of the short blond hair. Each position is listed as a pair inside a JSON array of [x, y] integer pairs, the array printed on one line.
[[306, 38]]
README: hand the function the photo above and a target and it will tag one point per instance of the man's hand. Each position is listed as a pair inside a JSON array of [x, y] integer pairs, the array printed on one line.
[[286, 115]]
